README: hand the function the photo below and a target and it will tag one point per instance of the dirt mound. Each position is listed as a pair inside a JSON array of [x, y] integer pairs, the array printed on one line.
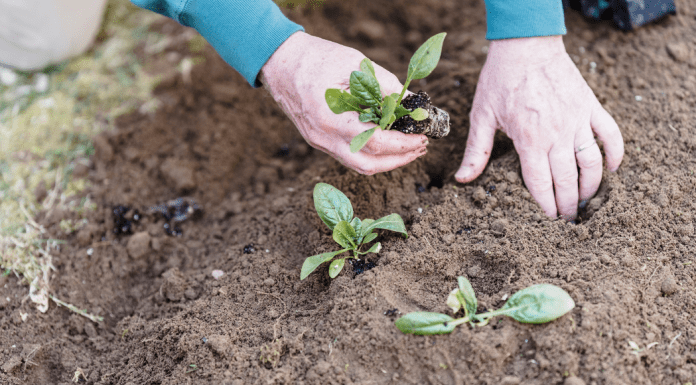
[[629, 265]]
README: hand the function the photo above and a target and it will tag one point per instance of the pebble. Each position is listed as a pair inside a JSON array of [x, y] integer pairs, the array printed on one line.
[[178, 173], [217, 274], [679, 51], [138, 245], [510, 380], [573, 381], [41, 83], [669, 286]]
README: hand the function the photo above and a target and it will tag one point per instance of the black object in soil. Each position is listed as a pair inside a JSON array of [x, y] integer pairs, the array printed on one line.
[[176, 211], [248, 249], [392, 312], [121, 224], [436, 126], [465, 230], [360, 265], [626, 14]]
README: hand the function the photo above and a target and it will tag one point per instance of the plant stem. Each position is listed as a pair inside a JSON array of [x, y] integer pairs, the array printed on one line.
[[459, 321], [493, 313], [403, 91]]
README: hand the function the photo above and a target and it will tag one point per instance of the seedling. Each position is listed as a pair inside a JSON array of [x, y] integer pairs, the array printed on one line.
[[365, 96], [536, 304], [336, 211]]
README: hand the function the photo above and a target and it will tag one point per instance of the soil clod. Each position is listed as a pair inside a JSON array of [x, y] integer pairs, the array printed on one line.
[[436, 126]]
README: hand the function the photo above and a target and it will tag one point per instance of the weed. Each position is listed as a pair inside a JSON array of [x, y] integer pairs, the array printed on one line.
[[336, 211]]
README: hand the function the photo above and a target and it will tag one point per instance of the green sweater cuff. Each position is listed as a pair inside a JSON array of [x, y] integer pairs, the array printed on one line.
[[244, 32], [509, 19]]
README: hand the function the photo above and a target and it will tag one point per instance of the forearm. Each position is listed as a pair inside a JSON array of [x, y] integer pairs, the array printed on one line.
[[244, 32], [508, 19]]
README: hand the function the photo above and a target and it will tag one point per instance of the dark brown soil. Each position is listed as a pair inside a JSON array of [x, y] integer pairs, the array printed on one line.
[[629, 265]]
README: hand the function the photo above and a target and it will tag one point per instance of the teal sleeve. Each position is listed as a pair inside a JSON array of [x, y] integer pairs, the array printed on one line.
[[244, 32], [509, 19]]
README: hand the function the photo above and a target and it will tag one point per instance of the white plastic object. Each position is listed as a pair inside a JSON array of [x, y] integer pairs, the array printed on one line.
[[37, 33]]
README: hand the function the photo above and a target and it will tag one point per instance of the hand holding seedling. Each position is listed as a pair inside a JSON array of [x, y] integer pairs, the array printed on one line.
[[536, 304], [365, 97], [336, 211], [298, 75], [530, 89]]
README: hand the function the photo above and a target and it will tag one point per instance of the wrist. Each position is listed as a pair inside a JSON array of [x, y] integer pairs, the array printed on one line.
[[285, 57], [527, 49]]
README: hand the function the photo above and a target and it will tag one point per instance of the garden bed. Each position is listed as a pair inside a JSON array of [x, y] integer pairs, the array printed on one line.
[[629, 265]]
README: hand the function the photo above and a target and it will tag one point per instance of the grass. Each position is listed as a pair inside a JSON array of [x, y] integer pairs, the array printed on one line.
[[47, 120]]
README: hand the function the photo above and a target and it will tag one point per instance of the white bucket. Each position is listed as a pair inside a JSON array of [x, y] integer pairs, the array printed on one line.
[[37, 33]]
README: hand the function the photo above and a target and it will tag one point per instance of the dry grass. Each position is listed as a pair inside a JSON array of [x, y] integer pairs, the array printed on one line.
[[47, 120]]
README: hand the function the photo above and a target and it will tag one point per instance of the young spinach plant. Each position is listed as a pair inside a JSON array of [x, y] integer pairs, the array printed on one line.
[[365, 96], [336, 211], [536, 304]]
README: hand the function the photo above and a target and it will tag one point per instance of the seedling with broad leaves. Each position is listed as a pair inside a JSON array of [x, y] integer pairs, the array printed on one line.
[[353, 234], [365, 96], [536, 305]]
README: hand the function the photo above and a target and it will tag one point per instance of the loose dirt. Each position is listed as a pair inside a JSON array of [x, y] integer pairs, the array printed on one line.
[[629, 264]]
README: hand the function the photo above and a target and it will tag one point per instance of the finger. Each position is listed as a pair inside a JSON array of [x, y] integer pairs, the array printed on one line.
[[589, 160], [382, 142], [564, 171], [608, 131], [537, 176], [368, 164], [479, 145]]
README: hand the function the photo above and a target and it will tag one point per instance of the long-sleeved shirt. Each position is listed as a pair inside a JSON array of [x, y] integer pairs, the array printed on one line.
[[247, 32]]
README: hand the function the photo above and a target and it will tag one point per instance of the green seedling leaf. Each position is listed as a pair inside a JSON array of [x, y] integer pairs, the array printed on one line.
[[455, 301], [425, 323], [419, 114], [538, 304], [356, 224], [366, 88], [367, 67], [391, 222], [360, 140], [344, 235], [340, 101], [370, 237], [426, 57], [332, 205], [401, 111], [375, 248], [387, 111], [366, 117], [467, 292], [336, 267], [310, 264]]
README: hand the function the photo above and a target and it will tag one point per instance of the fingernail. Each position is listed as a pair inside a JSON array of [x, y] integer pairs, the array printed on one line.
[[583, 203]]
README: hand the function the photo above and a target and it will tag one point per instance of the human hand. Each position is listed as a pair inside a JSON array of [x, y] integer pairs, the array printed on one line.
[[530, 89], [298, 75]]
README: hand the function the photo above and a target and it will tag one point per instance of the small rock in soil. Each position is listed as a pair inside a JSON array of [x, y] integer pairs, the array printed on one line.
[[510, 380], [12, 364], [190, 294], [138, 245], [573, 381], [179, 173], [219, 344], [669, 286], [473, 271], [479, 194], [361, 266], [679, 51], [174, 285], [248, 249]]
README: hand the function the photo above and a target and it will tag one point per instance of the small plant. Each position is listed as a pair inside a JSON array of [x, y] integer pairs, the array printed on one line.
[[365, 96], [336, 211], [536, 304]]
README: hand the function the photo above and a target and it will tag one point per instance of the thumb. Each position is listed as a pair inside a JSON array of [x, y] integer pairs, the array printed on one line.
[[478, 146]]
